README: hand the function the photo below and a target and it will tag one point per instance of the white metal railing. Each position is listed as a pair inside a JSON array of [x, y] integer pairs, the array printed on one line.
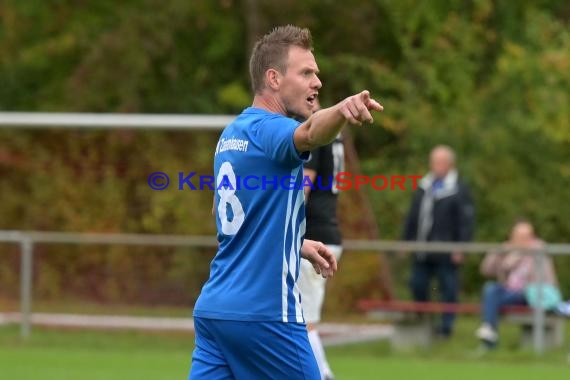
[[113, 120], [27, 240]]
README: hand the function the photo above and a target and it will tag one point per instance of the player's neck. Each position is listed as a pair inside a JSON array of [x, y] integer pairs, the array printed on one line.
[[268, 103]]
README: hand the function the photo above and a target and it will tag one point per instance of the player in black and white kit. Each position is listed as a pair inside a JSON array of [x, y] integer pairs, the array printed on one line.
[[321, 203]]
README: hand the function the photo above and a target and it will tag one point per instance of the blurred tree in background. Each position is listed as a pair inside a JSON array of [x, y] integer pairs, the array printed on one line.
[[490, 78]]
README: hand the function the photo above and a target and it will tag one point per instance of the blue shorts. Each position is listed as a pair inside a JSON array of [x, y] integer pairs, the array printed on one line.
[[252, 350]]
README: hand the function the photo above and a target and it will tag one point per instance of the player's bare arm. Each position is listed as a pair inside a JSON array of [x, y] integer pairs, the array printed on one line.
[[323, 260], [322, 127]]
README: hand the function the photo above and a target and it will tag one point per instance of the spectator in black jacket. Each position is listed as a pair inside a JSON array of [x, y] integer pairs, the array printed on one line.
[[442, 210]]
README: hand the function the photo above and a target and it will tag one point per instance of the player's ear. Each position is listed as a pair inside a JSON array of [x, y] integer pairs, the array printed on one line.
[[273, 79]]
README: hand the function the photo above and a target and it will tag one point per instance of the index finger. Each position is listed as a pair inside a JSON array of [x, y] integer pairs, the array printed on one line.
[[334, 264], [321, 261], [374, 105]]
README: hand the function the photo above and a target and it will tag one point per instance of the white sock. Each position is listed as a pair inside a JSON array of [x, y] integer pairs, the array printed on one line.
[[319, 352]]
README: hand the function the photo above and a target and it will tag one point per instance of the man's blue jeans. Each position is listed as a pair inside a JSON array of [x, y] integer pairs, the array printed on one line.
[[494, 297]]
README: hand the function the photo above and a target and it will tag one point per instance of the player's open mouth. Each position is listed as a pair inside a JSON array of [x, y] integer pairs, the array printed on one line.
[[312, 99]]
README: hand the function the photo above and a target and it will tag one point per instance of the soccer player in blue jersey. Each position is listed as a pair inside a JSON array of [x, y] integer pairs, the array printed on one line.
[[248, 319]]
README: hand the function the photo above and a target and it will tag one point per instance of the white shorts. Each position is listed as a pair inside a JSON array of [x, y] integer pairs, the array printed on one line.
[[312, 287]]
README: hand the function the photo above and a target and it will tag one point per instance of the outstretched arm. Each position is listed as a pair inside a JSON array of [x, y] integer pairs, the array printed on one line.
[[323, 126]]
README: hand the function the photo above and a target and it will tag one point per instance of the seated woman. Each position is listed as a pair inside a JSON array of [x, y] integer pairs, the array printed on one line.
[[513, 271]]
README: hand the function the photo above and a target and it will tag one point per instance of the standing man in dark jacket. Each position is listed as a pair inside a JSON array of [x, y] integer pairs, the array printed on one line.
[[442, 210]]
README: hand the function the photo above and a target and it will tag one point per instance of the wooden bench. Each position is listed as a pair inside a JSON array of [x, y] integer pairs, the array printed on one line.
[[414, 322]]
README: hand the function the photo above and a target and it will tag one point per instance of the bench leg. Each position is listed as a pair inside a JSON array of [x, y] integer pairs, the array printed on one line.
[[410, 335], [558, 332], [553, 334]]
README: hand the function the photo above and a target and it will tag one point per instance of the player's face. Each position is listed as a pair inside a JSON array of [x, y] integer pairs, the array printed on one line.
[[300, 84]]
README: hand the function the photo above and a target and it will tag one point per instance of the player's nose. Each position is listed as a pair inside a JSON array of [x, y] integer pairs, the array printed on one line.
[[316, 83]]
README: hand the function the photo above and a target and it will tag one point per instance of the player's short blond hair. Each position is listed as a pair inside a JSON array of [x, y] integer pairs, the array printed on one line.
[[272, 50]]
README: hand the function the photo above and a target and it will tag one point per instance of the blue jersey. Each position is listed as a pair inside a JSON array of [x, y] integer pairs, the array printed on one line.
[[260, 216]]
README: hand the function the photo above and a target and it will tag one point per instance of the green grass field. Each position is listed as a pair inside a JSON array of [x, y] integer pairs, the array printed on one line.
[[124, 355]]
